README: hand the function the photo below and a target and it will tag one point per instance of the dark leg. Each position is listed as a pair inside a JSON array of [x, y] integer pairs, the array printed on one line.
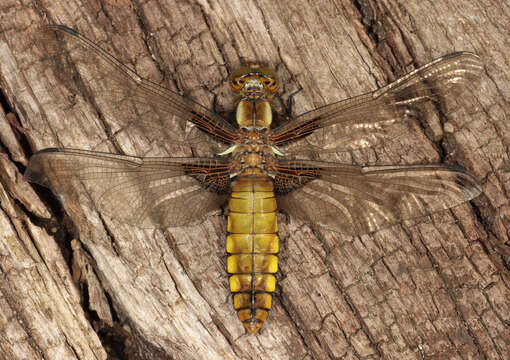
[[290, 103], [215, 96]]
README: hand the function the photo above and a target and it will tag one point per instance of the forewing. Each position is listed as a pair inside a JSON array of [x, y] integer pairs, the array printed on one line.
[[358, 200], [366, 120], [125, 98], [145, 192]]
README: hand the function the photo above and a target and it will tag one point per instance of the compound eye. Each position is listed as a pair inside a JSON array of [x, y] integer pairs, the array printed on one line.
[[237, 83], [270, 84]]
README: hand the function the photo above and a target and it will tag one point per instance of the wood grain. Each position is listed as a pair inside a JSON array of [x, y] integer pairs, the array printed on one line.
[[434, 287]]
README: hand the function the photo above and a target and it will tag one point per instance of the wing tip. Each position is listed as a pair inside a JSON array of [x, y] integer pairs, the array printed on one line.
[[63, 28], [48, 150], [460, 53], [471, 62]]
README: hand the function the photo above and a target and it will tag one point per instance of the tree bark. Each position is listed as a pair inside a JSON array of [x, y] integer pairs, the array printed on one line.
[[76, 284]]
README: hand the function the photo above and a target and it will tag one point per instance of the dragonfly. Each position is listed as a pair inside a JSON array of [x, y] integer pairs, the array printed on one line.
[[266, 163]]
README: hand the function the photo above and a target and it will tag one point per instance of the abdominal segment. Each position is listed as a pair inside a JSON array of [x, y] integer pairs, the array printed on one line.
[[252, 245]]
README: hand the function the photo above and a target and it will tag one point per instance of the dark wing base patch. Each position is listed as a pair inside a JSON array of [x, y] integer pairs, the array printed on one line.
[[291, 175]]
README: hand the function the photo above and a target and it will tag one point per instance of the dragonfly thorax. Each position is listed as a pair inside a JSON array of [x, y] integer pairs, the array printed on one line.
[[254, 115], [255, 86], [253, 156]]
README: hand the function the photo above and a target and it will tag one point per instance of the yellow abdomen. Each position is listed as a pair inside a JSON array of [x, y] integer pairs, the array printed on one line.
[[252, 245]]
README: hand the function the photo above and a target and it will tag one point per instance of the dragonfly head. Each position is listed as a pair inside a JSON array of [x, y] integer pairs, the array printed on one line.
[[254, 82]]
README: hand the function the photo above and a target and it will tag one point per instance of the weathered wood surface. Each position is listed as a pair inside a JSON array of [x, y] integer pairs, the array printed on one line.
[[435, 287]]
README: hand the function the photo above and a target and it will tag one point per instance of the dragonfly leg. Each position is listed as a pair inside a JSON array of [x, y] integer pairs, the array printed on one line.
[[290, 103], [215, 96]]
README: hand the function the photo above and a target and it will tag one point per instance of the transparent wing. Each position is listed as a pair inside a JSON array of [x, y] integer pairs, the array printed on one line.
[[358, 200], [145, 192], [366, 120], [125, 98]]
